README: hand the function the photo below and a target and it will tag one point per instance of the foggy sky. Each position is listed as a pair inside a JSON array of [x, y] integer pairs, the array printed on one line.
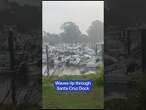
[[82, 13]]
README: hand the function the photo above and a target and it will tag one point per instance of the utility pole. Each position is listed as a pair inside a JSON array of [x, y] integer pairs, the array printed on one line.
[[12, 65], [47, 57], [11, 49], [96, 48], [128, 42]]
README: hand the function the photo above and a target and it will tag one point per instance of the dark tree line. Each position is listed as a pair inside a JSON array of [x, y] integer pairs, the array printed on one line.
[[72, 34]]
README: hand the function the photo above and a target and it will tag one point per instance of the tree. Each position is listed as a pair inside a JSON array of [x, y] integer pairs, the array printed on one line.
[[51, 38], [95, 31], [71, 32]]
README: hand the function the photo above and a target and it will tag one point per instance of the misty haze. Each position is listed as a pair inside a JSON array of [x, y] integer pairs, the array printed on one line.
[[72, 50], [73, 36]]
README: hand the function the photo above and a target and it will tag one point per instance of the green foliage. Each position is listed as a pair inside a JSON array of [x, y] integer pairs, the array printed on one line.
[[19, 107], [100, 76], [73, 100], [133, 102]]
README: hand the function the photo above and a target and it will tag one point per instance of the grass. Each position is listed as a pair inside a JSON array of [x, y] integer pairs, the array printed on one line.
[[135, 101], [73, 100], [19, 107]]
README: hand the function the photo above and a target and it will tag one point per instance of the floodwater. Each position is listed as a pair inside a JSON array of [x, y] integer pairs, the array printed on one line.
[[64, 70]]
